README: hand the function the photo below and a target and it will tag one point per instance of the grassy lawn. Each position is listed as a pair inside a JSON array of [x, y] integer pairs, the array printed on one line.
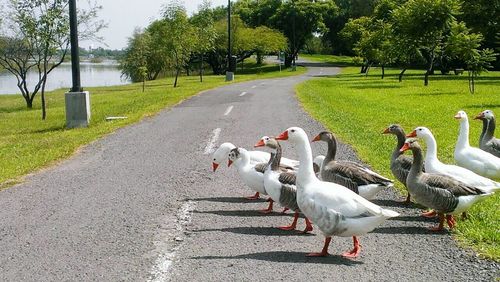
[[27, 143], [359, 108], [341, 61]]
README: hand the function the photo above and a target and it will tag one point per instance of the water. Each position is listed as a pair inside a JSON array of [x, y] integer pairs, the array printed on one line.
[[103, 74]]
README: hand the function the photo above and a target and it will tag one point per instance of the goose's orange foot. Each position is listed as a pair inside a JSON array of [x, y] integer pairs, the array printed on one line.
[[429, 214], [324, 251], [439, 227], [308, 228], [294, 223], [284, 210], [254, 197], [451, 221], [269, 208], [355, 251]]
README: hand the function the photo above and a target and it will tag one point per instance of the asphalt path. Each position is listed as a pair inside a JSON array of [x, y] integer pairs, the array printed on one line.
[[143, 204]]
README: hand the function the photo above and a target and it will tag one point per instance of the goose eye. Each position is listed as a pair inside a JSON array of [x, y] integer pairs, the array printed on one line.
[[215, 159], [293, 130]]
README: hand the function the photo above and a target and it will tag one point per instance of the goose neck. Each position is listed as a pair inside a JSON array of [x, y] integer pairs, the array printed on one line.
[[332, 150], [275, 163], [463, 135], [490, 131], [418, 162], [431, 153], [306, 171], [401, 141]]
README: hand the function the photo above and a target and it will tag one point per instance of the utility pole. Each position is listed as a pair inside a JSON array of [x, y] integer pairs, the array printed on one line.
[[229, 72], [77, 101]]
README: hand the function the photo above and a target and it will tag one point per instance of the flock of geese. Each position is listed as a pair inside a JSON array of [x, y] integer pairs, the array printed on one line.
[[334, 194]]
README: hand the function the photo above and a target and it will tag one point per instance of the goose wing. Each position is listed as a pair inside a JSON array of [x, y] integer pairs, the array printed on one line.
[[340, 175], [287, 178], [455, 187]]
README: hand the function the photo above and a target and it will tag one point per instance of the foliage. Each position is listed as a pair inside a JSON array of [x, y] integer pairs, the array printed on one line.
[[297, 20], [180, 37], [134, 64], [465, 45], [203, 23], [330, 100], [40, 29], [421, 25]]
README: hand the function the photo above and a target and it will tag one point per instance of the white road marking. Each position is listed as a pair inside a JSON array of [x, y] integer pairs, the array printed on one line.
[[210, 148], [243, 94], [170, 241], [254, 86], [228, 110]]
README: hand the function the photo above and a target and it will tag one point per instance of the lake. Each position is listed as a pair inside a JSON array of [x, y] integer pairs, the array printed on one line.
[[91, 74]]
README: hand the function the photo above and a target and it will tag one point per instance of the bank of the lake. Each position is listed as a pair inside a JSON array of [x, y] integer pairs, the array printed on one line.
[[27, 143], [106, 73]]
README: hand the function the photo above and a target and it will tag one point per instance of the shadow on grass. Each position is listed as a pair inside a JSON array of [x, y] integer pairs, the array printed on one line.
[[49, 129], [486, 106], [374, 86], [290, 257], [264, 231]]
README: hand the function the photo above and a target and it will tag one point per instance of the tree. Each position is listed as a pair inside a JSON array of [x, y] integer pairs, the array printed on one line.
[[421, 25], [206, 34], [298, 20], [464, 44], [41, 30], [181, 36], [134, 64]]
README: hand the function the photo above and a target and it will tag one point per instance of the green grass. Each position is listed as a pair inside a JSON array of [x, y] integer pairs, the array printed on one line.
[[27, 143], [358, 108]]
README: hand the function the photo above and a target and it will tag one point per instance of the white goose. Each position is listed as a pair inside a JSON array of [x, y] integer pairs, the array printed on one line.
[[335, 209], [281, 186], [251, 174], [475, 159], [433, 165], [220, 155]]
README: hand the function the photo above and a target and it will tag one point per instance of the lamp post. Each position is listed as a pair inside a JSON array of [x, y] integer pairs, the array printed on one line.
[[77, 101], [229, 72]]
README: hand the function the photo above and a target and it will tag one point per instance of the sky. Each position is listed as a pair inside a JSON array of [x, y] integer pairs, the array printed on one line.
[[123, 16]]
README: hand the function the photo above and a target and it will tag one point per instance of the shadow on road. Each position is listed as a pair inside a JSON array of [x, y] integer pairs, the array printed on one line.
[[393, 203], [413, 218], [293, 257], [243, 213], [228, 200], [408, 230], [252, 230]]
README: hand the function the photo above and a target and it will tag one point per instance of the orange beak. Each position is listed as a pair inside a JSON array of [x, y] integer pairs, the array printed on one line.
[[259, 144], [215, 166], [457, 116], [229, 163], [479, 116], [317, 138], [412, 134], [386, 131], [405, 147], [283, 136]]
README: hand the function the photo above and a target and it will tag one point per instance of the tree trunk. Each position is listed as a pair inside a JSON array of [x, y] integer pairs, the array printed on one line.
[[383, 71], [29, 102], [176, 76], [401, 74], [259, 59], [44, 109], [143, 84], [430, 69], [201, 68], [368, 69]]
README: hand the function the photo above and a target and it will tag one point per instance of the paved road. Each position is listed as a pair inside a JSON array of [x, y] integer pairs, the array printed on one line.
[[143, 204]]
